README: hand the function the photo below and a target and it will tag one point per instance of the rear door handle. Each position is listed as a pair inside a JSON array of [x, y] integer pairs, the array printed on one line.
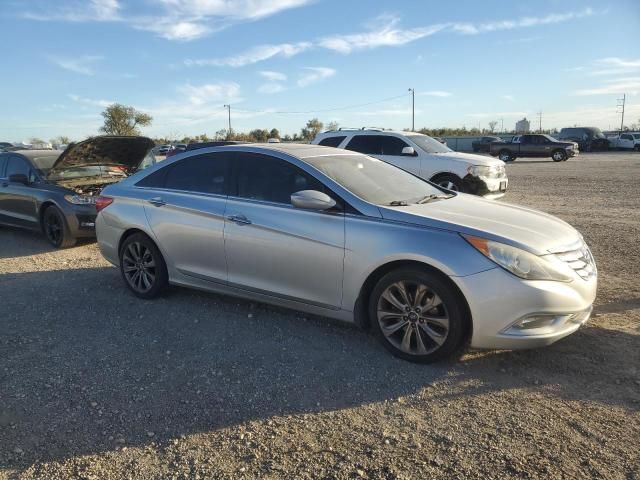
[[157, 201], [239, 219]]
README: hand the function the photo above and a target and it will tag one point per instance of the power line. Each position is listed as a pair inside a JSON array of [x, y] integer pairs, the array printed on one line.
[[334, 109]]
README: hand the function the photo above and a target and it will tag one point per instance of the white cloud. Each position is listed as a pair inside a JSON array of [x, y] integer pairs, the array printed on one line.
[[82, 65], [315, 75], [240, 9], [270, 88], [384, 33], [629, 85], [79, 11], [274, 76], [253, 55], [172, 30], [436, 93], [211, 92], [524, 22], [90, 101]]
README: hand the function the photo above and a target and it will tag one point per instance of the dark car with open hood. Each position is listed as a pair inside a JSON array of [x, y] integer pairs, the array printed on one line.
[[55, 193]]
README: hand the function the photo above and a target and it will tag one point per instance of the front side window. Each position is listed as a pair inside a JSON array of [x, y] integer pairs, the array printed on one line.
[[17, 165], [270, 179], [331, 141], [368, 144], [373, 180]]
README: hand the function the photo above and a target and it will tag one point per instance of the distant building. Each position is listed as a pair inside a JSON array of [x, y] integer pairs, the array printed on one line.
[[522, 126]]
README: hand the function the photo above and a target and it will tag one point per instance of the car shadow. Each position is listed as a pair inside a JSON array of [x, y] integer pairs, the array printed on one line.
[[85, 367], [17, 242]]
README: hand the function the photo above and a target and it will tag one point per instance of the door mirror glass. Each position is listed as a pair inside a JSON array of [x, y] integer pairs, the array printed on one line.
[[312, 200], [19, 178], [410, 151]]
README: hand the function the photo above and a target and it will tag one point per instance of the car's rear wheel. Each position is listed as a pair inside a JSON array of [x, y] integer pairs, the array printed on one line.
[[142, 266], [450, 182], [417, 315], [559, 155], [506, 156], [55, 228]]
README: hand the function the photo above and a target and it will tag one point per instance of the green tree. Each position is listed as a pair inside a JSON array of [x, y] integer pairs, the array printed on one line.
[[123, 120], [274, 133], [313, 128]]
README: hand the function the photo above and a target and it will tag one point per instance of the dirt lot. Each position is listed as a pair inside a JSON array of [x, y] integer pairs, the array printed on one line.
[[95, 383]]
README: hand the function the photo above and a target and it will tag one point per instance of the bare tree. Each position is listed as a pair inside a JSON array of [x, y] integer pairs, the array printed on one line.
[[492, 126]]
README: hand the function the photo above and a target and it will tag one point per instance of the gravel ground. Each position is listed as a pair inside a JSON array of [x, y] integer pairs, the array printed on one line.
[[95, 383]]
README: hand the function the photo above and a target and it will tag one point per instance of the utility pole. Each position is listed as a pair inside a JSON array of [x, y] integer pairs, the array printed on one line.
[[502, 125], [621, 102], [228, 107], [540, 122], [413, 109]]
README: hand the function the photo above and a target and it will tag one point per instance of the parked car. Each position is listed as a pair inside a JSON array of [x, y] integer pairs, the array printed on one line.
[[425, 157], [482, 145], [348, 236], [625, 141], [55, 192], [588, 138], [175, 149], [534, 145], [4, 146], [162, 149]]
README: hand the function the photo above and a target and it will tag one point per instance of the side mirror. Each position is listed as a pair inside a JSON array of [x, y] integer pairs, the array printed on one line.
[[312, 200], [19, 178], [409, 151]]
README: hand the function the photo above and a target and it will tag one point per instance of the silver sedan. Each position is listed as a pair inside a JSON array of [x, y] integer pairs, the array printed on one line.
[[348, 236]]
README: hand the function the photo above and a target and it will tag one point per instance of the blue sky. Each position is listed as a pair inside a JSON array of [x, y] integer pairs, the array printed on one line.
[[469, 62]]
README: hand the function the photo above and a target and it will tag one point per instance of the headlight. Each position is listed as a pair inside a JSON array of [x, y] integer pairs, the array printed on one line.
[[522, 264], [484, 171], [80, 199]]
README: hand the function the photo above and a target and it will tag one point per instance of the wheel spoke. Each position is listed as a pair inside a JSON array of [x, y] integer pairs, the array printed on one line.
[[406, 339], [389, 330], [442, 322], [390, 297], [402, 288], [433, 335], [146, 281], [129, 268], [420, 343], [421, 291]]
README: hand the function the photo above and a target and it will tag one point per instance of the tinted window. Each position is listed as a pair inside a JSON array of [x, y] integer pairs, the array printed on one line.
[[202, 173], [261, 177], [331, 141], [626, 137], [369, 144], [3, 161], [17, 165]]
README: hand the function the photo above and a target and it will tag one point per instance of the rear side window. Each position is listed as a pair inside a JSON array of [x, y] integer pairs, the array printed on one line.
[[270, 179], [201, 174], [377, 144], [331, 141]]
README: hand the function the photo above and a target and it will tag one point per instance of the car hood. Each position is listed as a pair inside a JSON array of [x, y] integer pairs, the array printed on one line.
[[126, 152], [469, 158], [522, 227]]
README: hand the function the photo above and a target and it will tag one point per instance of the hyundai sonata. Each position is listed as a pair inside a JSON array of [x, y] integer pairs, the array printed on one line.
[[348, 236]]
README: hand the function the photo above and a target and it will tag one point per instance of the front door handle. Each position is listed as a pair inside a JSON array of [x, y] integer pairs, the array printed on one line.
[[157, 201], [239, 219]]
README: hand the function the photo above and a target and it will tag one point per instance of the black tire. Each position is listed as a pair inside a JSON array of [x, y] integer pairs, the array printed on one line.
[[142, 266], [55, 228], [443, 300], [506, 155], [449, 181], [559, 155]]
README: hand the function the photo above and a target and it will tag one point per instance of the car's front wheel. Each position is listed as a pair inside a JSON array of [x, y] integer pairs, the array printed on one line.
[[417, 315], [506, 156], [55, 228], [142, 266], [450, 182], [559, 155]]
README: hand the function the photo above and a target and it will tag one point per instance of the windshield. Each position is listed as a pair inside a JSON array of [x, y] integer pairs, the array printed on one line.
[[45, 162], [373, 180], [428, 144], [110, 171]]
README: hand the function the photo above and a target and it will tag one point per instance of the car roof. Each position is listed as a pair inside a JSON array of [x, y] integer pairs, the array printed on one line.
[[31, 154], [298, 150]]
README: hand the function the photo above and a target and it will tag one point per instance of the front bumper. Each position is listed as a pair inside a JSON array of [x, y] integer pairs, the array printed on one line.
[[498, 300], [81, 220], [490, 188]]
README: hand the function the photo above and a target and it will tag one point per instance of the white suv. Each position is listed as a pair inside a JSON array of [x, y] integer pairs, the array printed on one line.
[[426, 158]]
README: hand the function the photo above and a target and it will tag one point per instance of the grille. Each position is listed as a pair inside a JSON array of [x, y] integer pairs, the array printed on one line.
[[580, 260]]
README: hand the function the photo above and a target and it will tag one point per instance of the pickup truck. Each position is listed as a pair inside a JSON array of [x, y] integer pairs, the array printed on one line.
[[533, 145], [482, 145]]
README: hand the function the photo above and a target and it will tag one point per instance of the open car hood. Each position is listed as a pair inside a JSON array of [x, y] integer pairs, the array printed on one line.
[[127, 152]]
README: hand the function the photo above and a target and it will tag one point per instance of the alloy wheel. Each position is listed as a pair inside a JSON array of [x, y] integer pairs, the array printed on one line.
[[449, 185], [558, 156], [53, 228], [413, 318], [139, 267]]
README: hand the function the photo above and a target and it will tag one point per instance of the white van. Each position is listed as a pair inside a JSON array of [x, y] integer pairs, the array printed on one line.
[[426, 158]]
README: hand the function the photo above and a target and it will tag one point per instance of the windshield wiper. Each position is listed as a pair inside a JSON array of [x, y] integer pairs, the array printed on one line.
[[432, 197], [398, 203]]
